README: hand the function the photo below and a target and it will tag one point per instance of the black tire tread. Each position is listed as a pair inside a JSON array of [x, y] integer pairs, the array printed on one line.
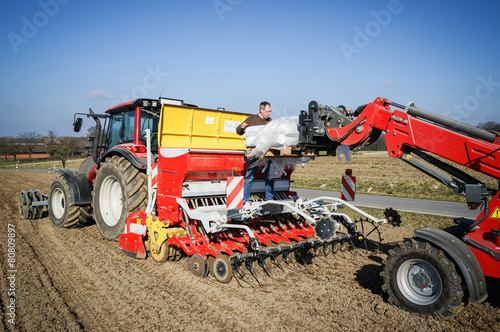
[[451, 301], [76, 216], [136, 191]]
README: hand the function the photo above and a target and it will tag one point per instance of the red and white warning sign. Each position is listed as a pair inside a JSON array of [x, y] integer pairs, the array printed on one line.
[[348, 187], [234, 192]]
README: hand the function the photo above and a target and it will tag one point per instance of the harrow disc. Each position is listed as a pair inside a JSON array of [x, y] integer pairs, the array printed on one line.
[[38, 209], [32, 210], [24, 204]]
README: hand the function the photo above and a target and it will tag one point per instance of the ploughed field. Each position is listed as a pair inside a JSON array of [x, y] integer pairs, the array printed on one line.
[[72, 279]]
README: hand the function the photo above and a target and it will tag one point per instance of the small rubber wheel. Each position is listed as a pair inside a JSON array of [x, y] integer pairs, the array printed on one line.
[[211, 260], [222, 269], [198, 266]]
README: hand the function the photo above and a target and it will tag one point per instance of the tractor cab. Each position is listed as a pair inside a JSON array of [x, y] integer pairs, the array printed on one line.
[[128, 122], [123, 127]]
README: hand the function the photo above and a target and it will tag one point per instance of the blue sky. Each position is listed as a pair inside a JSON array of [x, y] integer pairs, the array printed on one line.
[[59, 57]]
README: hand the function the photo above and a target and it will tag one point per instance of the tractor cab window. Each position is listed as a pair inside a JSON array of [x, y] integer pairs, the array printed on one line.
[[121, 129], [150, 120]]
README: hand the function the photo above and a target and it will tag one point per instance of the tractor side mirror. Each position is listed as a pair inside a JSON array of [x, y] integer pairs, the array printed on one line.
[[77, 125]]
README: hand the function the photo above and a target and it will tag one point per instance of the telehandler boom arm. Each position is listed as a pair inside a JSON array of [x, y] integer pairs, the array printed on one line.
[[410, 132]]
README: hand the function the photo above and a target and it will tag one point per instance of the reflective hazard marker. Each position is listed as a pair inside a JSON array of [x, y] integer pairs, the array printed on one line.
[[234, 192], [154, 176], [348, 187]]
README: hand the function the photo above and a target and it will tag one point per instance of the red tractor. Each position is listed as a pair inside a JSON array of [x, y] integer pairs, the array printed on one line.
[[430, 273]]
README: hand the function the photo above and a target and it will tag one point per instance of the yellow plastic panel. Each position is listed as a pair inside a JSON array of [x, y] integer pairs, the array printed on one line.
[[199, 128]]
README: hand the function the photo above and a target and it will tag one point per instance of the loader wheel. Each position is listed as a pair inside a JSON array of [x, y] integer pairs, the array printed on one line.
[[119, 189], [62, 212], [418, 277]]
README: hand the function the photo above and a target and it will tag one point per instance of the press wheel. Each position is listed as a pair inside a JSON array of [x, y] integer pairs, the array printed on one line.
[[222, 269], [198, 266]]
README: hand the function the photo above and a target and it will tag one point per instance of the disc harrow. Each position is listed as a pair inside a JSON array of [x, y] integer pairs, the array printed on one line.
[[32, 204]]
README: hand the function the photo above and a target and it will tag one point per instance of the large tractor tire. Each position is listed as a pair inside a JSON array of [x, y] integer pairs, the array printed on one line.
[[62, 212], [419, 278], [119, 189]]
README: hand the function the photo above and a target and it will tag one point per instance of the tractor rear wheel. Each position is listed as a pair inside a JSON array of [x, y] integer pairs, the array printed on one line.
[[119, 189], [418, 277], [62, 212]]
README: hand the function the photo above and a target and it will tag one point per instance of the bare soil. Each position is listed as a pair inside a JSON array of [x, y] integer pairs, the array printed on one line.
[[73, 279]]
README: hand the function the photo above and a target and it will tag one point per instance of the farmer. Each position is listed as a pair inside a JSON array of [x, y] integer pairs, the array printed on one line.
[[262, 118]]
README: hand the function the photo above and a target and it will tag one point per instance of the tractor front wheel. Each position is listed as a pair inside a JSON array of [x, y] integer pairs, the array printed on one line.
[[419, 277], [119, 189]]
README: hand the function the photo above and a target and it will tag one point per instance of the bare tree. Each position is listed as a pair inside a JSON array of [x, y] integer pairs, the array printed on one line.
[[63, 151], [90, 131], [30, 139], [5, 143], [490, 125], [52, 138]]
